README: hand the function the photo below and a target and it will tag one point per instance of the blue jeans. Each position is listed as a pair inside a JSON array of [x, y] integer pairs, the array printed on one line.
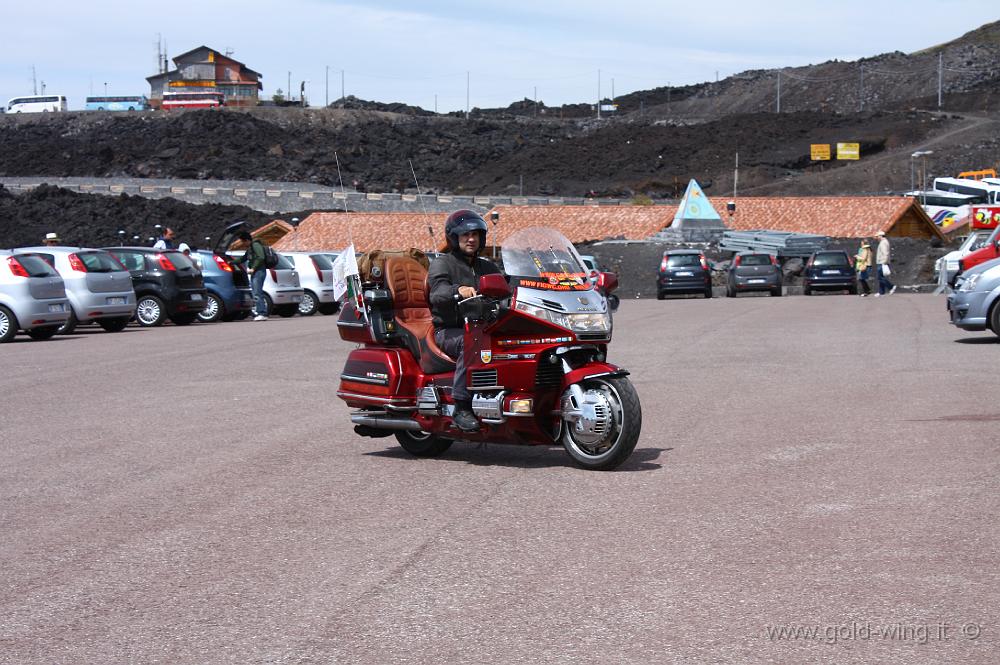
[[884, 285], [257, 286]]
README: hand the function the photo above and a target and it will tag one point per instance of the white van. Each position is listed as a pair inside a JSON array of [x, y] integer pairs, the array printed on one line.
[[37, 104]]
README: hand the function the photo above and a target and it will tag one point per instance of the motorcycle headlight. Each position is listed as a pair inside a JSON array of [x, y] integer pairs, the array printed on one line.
[[969, 283], [588, 322]]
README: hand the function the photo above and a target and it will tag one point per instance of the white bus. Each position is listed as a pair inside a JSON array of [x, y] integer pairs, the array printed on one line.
[[37, 104], [946, 208], [979, 188]]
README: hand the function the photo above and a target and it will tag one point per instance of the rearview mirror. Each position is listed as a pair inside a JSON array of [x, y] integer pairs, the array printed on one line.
[[494, 286], [607, 281]]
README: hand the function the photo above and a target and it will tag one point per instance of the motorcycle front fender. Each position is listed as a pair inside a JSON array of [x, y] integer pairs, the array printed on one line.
[[593, 370]]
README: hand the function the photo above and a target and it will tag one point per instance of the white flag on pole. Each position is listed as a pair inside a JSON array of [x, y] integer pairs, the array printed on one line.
[[345, 266]]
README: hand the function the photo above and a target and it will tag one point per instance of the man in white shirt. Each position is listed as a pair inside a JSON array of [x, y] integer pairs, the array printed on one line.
[[885, 287], [166, 241]]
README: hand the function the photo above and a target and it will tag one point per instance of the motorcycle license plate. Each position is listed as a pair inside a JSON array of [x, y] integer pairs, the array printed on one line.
[[56, 308], [195, 296], [685, 273], [831, 272], [755, 281], [116, 301]]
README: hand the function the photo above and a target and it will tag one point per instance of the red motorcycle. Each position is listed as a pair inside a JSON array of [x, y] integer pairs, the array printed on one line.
[[535, 349]]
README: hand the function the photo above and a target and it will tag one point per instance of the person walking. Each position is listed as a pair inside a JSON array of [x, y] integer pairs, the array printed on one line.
[[52, 240], [882, 254], [863, 264], [255, 260]]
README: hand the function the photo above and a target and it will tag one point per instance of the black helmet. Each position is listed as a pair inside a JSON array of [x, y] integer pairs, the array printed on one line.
[[464, 221]]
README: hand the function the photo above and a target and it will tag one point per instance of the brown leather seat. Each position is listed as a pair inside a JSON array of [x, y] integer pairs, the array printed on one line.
[[407, 282]]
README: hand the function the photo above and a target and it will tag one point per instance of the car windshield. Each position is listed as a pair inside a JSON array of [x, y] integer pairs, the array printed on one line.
[[831, 259], [683, 261], [756, 260], [322, 260], [100, 262], [35, 265], [544, 258]]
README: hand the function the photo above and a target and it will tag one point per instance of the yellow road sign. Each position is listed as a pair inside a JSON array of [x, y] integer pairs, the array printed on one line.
[[819, 152], [848, 151]]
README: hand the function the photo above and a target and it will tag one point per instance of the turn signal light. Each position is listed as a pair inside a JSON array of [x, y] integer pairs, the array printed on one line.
[[520, 406], [222, 263], [16, 268]]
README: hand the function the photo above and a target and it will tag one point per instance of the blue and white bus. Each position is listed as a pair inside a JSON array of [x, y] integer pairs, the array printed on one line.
[[139, 103], [37, 104]]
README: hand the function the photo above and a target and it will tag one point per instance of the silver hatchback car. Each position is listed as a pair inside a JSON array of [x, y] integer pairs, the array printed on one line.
[[316, 279], [32, 297], [975, 304], [98, 286]]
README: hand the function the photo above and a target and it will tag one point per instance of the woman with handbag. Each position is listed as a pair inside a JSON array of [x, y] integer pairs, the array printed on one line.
[[863, 264]]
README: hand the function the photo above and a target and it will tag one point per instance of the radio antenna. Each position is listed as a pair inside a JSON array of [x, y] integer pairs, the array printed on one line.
[[420, 198], [342, 192]]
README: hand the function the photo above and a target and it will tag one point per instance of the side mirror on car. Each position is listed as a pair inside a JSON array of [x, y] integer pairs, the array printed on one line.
[[607, 281], [494, 286]]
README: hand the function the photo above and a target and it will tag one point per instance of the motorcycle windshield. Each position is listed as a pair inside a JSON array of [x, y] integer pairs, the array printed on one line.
[[542, 258]]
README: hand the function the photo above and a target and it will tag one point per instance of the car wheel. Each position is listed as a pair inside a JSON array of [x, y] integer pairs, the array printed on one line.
[[8, 324], [329, 308], [853, 290], [114, 325], [268, 306], [47, 332], [286, 311], [185, 319], [806, 291], [214, 309], [149, 311], [240, 316], [309, 304], [660, 295], [776, 293], [708, 292], [995, 318], [70, 325], [730, 293]]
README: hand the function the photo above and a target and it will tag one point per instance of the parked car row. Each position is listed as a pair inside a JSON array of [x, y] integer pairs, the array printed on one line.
[[975, 303], [47, 290], [687, 271]]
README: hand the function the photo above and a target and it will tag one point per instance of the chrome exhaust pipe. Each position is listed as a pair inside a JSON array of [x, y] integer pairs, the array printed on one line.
[[385, 422]]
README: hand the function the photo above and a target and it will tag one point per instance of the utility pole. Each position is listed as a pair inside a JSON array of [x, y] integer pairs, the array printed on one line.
[[34, 81], [779, 94], [435, 104], [940, 75], [736, 175], [288, 88], [598, 93]]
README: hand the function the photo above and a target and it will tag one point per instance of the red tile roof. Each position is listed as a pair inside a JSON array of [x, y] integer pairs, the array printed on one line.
[[835, 216]]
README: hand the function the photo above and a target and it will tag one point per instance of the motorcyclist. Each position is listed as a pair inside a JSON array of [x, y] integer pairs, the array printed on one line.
[[454, 276]]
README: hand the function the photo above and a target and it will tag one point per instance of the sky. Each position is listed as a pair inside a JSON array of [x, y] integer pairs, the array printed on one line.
[[437, 53]]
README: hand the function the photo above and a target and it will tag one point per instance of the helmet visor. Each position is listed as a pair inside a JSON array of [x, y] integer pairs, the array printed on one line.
[[468, 225]]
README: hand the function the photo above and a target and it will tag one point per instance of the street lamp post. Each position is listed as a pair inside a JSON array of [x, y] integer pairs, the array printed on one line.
[[923, 179]]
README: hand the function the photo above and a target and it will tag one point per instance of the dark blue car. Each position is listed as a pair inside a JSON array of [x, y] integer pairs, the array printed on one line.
[[829, 270], [228, 285]]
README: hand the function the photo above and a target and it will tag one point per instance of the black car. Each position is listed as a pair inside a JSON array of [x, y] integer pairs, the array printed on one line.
[[167, 284], [683, 271], [829, 270], [754, 271]]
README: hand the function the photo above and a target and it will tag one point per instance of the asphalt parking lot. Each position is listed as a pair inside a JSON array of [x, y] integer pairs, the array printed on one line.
[[824, 465]]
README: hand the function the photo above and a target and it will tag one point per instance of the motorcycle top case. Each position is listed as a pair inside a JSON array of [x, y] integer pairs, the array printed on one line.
[[379, 377]]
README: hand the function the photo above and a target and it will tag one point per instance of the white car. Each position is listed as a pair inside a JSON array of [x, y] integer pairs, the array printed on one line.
[[315, 271], [949, 262]]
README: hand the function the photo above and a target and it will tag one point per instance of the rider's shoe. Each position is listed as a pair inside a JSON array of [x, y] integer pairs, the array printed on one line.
[[464, 419]]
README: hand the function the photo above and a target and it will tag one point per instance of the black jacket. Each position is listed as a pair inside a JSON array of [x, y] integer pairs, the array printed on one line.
[[446, 273]]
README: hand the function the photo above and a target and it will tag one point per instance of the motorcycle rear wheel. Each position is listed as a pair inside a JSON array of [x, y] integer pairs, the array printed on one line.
[[625, 424], [422, 444]]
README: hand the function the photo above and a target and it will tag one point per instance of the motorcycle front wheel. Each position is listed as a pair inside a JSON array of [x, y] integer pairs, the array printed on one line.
[[422, 444], [619, 421]]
